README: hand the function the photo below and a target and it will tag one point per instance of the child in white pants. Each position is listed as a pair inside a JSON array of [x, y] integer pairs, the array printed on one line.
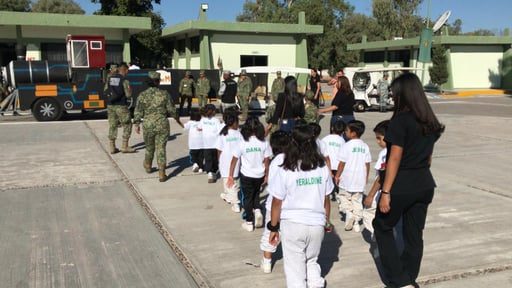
[[353, 172]]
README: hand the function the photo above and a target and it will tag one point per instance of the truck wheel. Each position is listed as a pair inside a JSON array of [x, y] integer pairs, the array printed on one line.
[[46, 109], [359, 107]]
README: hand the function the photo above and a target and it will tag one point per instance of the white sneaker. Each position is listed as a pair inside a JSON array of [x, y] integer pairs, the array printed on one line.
[[266, 267], [200, 171], [224, 197], [349, 224], [248, 226], [357, 228], [211, 177], [235, 208], [258, 218], [195, 168], [408, 286]]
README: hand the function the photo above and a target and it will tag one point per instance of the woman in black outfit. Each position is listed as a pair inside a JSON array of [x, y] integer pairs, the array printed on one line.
[[342, 106], [408, 186], [291, 102], [314, 85]]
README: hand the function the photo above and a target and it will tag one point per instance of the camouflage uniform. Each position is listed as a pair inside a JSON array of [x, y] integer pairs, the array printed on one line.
[[186, 90], [203, 88], [277, 87], [155, 105], [311, 113], [244, 94], [118, 112], [382, 89], [269, 113]]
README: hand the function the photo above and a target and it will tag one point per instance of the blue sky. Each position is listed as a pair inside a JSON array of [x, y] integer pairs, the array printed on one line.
[[494, 15]]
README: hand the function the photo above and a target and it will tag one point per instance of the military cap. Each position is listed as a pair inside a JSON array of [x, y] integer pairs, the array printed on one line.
[[386, 73], [278, 72], [113, 66], [154, 75], [226, 72], [201, 72], [187, 73], [310, 95], [243, 72]]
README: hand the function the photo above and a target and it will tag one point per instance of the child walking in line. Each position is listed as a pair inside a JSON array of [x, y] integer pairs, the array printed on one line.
[[195, 142], [254, 153], [300, 209], [279, 142], [352, 174], [228, 141], [333, 143], [370, 202], [210, 126]]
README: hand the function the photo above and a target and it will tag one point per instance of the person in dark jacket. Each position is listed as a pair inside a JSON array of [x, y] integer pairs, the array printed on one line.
[[289, 106]]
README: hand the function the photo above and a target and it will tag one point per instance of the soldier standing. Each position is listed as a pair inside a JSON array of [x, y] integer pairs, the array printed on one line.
[[186, 90], [383, 90], [227, 91], [244, 93], [118, 94], [154, 105], [277, 86], [203, 88]]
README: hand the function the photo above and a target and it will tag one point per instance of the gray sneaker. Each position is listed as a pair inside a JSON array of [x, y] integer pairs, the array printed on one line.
[[349, 224]]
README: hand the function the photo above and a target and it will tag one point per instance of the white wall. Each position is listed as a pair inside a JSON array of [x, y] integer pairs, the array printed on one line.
[[476, 67]]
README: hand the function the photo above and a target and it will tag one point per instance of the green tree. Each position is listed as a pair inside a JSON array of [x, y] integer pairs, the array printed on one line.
[[439, 70], [398, 18], [57, 6], [455, 28], [146, 46], [17, 5], [480, 32]]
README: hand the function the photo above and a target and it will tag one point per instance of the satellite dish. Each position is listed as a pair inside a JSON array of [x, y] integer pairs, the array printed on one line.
[[440, 22]]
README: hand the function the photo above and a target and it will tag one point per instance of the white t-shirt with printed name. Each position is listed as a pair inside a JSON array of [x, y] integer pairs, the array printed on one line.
[[333, 144], [210, 128], [303, 194], [273, 168], [355, 153], [252, 154], [227, 144], [195, 136]]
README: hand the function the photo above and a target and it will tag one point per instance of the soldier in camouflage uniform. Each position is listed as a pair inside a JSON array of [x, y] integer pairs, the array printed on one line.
[[383, 90], [277, 86], [186, 90], [311, 111], [269, 113], [118, 112], [203, 88], [244, 93], [154, 105]]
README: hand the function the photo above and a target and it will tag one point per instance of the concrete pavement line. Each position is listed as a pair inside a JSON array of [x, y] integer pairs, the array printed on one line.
[[454, 275], [196, 275]]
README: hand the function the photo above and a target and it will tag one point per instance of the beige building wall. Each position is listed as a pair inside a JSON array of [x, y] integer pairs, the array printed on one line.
[[476, 67]]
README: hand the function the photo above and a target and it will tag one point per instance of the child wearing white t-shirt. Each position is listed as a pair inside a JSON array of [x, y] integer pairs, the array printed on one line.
[[333, 143], [195, 141], [352, 175], [370, 202], [210, 126], [228, 141], [279, 142], [300, 209], [254, 153]]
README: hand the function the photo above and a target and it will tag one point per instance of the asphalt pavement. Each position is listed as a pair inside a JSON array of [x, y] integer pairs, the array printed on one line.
[[72, 215]]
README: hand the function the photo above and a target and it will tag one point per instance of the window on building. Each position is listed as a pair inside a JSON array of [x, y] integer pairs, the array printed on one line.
[[113, 53], [194, 45], [374, 57], [96, 45], [252, 60], [181, 46]]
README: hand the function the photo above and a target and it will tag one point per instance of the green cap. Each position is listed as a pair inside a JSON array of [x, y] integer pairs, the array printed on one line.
[[154, 75], [187, 73], [243, 72], [310, 95], [201, 72]]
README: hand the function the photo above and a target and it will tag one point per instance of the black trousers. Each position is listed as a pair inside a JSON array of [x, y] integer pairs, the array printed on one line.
[[182, 103], [402, 270], [211, 162], [196, 156], [250, 188]]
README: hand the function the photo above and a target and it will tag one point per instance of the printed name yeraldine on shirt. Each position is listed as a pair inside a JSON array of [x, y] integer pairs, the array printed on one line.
[[308, 181], [252, 149]]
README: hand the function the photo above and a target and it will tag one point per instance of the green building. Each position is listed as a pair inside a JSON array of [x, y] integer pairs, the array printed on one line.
[[474, 62]]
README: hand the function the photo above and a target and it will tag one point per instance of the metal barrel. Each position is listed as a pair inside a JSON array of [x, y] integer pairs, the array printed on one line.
[[24, 72]]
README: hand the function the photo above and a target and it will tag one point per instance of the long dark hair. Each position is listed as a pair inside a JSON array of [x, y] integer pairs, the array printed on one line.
[[303, 152], [290, 90], [408, 95], [230, 117], [345, 85], [251, 127]]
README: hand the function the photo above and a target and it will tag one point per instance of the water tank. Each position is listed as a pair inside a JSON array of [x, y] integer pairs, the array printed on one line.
[[24, 72]]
